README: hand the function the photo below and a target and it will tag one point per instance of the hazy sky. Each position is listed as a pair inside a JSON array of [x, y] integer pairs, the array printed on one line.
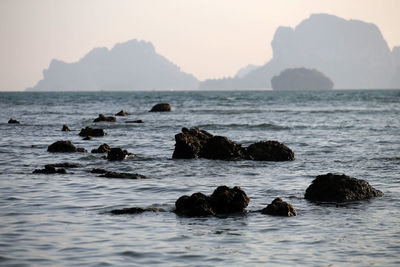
[[207, 38]]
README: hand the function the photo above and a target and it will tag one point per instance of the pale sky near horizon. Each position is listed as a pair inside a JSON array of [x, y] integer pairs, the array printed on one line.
[[207, 38]]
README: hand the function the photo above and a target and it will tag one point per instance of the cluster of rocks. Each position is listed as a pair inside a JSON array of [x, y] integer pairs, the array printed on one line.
[[196, 143], [51, 168]]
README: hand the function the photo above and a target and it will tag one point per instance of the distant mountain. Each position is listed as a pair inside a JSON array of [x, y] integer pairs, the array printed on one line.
[[351, 52], [301, 79], [133, 65]]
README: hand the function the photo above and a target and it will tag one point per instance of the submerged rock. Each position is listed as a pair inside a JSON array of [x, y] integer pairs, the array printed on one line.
[[65, 147], [13, 121], [278, 207], [117, 154], [162, 107], [224, 200], [134, 210], [340, 188], [196, 143], [95, 170], [48, 169], [89, 131], [123, 175], [122, 113], [64, 165], [87, 138], [136, 121], [104, 118], [104, 148], [65, 128]]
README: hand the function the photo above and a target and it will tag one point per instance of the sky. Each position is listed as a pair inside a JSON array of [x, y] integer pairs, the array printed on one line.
[[207, 38]]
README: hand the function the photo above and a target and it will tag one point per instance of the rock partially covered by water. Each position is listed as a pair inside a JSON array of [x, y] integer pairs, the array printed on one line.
[[48, 169], [278, 207], [104, 118], [104, 148], [162, 107], [134, 210], [89, 131], [13, 121], [65, 147], [135, 121], [118, 154], [65, 128], [196, 143], [64, 165], [123, 175], [270, 151], [122, 113], [339, 188], [224, 200]]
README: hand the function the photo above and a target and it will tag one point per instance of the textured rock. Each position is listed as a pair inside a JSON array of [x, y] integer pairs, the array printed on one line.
[[104, 118], [162, 107], [134, 210], [270, 151], [278, 207], [65, 128], [89, 131], [122, 175], [339, 188], [48, 169], [117, 154], [190, 142], [122, 113], [197, 204], [104, 148], [64, 146]]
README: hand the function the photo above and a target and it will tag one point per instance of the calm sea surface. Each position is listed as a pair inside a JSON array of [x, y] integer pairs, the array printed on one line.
[[65, 220]]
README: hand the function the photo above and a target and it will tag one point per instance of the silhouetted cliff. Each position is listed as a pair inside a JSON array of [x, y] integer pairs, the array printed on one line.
[[301, 79], [133, 65], [351, 52]]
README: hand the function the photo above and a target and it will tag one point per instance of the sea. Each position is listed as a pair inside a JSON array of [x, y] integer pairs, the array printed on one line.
[[65, 219]]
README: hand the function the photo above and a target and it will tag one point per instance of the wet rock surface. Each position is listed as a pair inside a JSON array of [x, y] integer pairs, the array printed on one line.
[[122, 113], [135, 121], [122, 175], [48, 169], [64, 165], [64, 147], [12, 121], [105, 118], [278, 207], [117, 154], [65, 128], [224, 200], [339, 188], [96, 170], [89, 131], [196, 143], [162, 107], [134, 210], [104, 148]]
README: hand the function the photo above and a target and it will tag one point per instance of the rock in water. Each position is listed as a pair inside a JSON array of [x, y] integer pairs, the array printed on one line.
[[339, 188], [64, 146], [134, 210], [48, 169], [123, 175], [135, 121], [104, 118], [13, 121], [224, 200], [65, 128], [117, 154], [89, 131], [190, 142], [270, 151], [162, 107], [122, 113], [279, 208], [104, 148], [220, 147]]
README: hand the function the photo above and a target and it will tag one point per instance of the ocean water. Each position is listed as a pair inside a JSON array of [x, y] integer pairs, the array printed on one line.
[[65, 220]]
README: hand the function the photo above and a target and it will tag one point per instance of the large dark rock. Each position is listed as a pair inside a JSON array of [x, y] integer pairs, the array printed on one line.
[[117, 154], [162, 107], [64, 146], [89, 131], [122, 175], [196, 143], [65, 128], [13, 121], [270, 151], [278, 207], [339, 188], [224, 200], [104, 118], [104, 148]]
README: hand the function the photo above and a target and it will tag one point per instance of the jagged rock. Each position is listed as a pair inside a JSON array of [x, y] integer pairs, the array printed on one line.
[[65, 128], [122, 113], [104, 148], [104, 118], [89, 131], [101, 171], [279, 208], [134, 210], [117, 154], [50, 170], [270, 151], [196, 143], [162, 107], [64, 165], [13, 121], [64, 146], [224, 200], [339, 188], [123, 175], [136, 121]]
